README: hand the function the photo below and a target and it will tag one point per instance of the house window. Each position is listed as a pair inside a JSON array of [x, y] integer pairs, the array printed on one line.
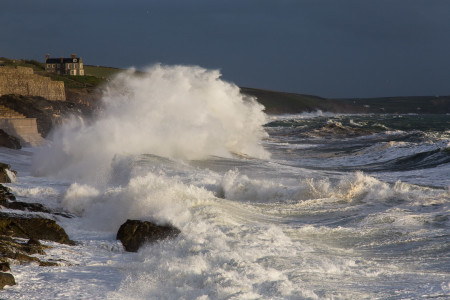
[[74, 60]]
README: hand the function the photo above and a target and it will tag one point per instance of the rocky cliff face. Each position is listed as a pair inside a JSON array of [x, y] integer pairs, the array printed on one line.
[[23, 81]]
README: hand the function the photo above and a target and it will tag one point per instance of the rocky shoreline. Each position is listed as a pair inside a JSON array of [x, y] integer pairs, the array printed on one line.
[[23, 225], [20, 231]]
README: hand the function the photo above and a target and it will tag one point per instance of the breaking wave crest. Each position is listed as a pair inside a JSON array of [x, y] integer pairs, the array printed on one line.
[[178, 112]]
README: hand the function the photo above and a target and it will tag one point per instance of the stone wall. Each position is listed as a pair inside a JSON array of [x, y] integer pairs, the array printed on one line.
[[23, 128], [23, 81]]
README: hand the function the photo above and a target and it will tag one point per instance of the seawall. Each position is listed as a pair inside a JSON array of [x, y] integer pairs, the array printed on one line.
[[23, 128], [23, 81]]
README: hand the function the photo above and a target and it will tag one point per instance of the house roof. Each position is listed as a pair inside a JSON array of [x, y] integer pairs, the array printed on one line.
[[65, 60]]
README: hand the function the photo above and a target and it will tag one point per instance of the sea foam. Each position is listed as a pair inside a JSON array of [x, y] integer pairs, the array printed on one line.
[[178, 112]]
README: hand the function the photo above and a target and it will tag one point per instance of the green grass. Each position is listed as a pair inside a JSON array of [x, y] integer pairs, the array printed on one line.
[[100, 72], [75, 81], [30, 63]]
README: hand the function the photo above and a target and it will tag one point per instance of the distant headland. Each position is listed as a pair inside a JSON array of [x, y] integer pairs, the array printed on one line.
[[291, 103]]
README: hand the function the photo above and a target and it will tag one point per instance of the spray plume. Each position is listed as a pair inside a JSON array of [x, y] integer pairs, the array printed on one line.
[[180, 112]]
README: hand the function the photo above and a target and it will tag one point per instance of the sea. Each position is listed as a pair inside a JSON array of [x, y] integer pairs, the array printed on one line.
[[307, 206]]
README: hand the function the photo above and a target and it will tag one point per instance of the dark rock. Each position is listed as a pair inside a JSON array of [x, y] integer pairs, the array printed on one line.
[[6, 279], [32, 249], [34, 207], [26, 226], [15, 249], [4, 267], [33, 242], [48, 264], [4, 177], [8, 200], [9, 141], [134, 233], [23, 258], [33, 227], [6, 195]]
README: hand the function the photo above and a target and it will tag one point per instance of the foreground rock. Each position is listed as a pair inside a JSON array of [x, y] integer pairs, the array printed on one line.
[[19, 240], [6, 279], [32, 227], [20, 233], [9, 141], [5, 195], [20, 250], [8, 200], [4, 170], [134, 233]]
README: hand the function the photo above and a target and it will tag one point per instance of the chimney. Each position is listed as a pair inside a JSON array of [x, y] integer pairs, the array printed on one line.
[[47, 56], [61, 59], [73, 55]]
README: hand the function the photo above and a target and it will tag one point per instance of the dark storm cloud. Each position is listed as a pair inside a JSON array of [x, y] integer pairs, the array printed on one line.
[[330, 48]]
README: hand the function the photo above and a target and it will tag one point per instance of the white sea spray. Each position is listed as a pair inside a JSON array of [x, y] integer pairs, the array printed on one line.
[[177, 112]]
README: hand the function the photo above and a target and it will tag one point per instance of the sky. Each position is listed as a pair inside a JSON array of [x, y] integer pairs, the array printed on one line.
[[329, 48]]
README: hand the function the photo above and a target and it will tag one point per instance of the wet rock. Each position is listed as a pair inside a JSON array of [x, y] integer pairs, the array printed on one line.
[[15, 228], [4, 177], [134, 233], [32, 227], [34, 207], [10, 247], [48, 264], [4, 267], [6, 279], [5, 195], [9, 141], [19, 251], [24, 258], [8, 200], [33, 242]]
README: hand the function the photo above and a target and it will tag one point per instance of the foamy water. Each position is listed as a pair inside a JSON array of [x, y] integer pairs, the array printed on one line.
[[313, 206]]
